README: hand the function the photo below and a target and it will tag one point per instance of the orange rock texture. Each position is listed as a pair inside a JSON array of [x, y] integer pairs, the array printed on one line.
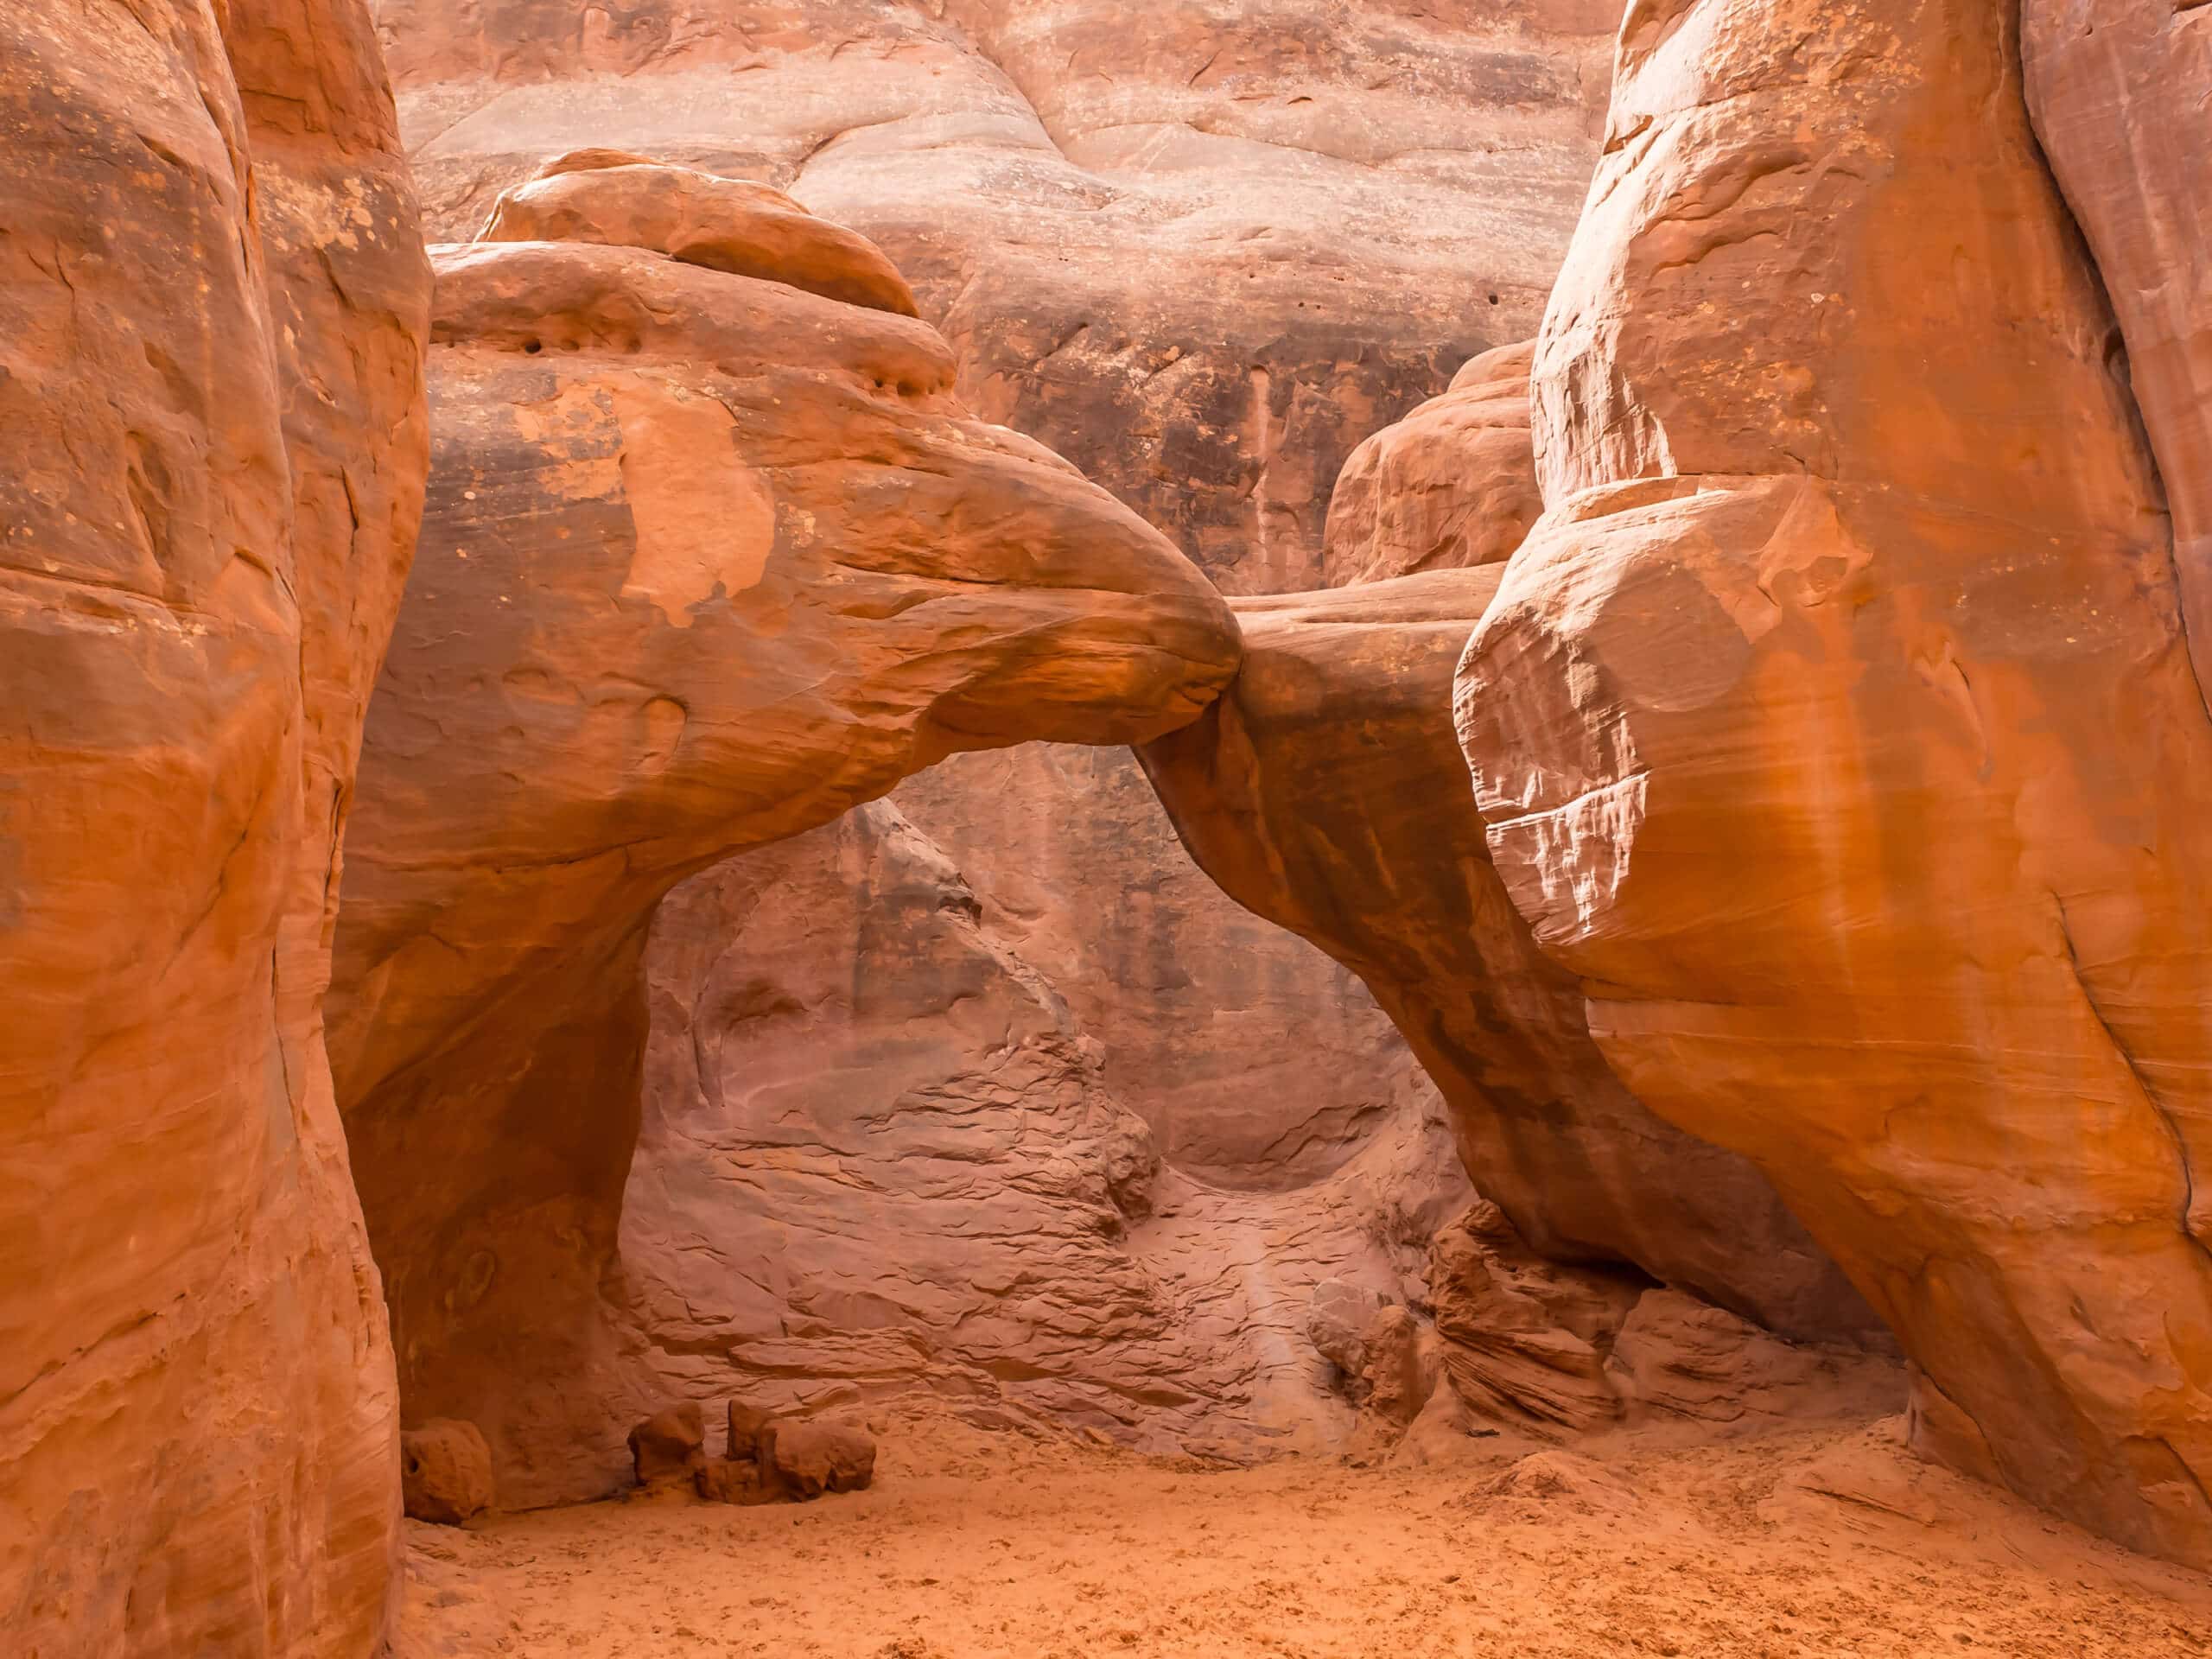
[[1203, 252], [1837, 725], [2116, 94], [708, 558], [1451, 486], [1326, 791], [879, 1159], [213, 302]]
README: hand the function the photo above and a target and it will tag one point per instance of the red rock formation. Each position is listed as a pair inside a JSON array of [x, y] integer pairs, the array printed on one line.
[[1451, 486], [1201, 253], [1073, 185], [727, 225], [213, 307], [445, 1471], [707, 559], [1526, 1340], [2116, 92], [1837, 724], [1257, 1062], [878, 1161], [1327, 792]]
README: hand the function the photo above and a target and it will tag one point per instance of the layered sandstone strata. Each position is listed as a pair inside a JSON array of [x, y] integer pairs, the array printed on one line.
[[1837, 725], [879, 1161], [708, 559], [212, 308], [1202, 252]]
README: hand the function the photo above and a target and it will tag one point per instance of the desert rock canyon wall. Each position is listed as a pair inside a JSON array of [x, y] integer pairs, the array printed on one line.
[[709, 556], [1744, 758], [1203, 252], [1838, 724], [1326, 790], [213, 302]]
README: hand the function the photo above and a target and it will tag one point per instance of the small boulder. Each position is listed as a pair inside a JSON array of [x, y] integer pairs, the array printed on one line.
[[808, 1458], [746, 1423], [670, 1446], [445, 1471], [1336, 1321]]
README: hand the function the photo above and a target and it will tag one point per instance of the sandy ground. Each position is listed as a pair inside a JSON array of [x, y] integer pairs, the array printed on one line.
[[1820, 1541]]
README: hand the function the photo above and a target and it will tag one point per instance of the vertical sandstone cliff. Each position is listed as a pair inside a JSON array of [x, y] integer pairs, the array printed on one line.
[[1837, 725], [213, 310]]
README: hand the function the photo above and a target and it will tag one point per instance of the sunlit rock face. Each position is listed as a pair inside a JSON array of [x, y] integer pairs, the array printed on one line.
[[1837, 725], [213, 303], [709, 557], [1203, 251], [1452, 485]]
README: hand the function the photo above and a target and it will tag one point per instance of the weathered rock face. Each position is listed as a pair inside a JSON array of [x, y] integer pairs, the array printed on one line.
[[1202, 252], [1073, 185], [727, 225], [1526, 1340], [1257, 1062], [1837, 724], [1554, 1351], [707, 559], [1326, 791], [2117, 95], [1452, 485], [878, 1158], [213, 307]]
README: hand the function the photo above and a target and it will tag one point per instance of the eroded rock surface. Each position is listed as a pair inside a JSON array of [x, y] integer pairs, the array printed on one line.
[[1452, 485], [212, 308], [2116, 92], [1073, 185], [1202, 253], [707, 559], [1326, 791], [1837, 725], [879, 1159], [1257, 1062]]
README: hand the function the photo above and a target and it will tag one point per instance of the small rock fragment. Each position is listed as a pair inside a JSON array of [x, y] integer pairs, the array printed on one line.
[[1336, 1321], [670, 1446], [807, 1460]]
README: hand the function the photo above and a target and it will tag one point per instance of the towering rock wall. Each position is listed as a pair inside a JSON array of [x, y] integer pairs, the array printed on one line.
[[213, 310], [1837, 725], [708, 558], [1202, 252]]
